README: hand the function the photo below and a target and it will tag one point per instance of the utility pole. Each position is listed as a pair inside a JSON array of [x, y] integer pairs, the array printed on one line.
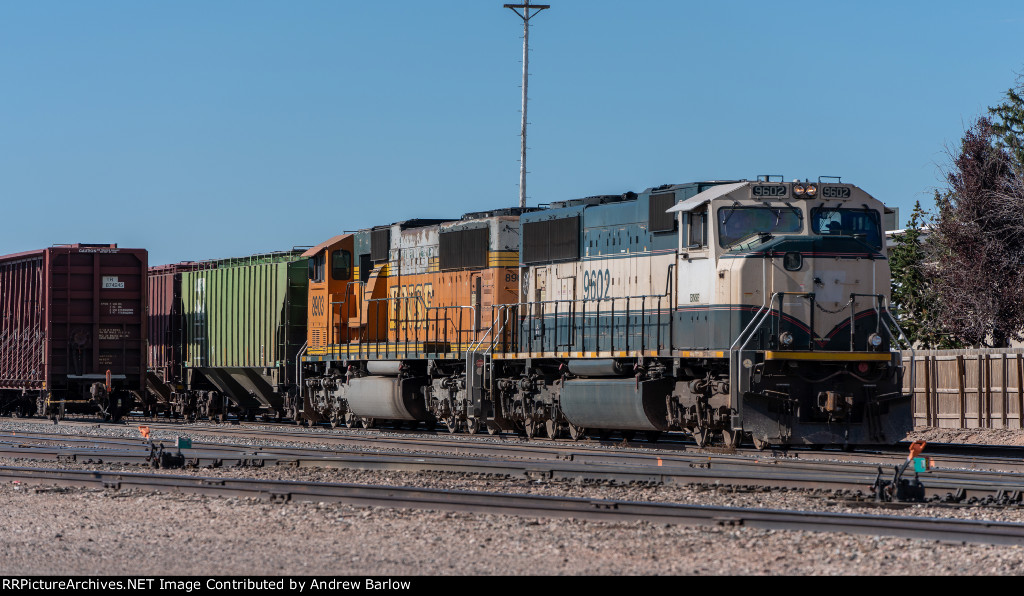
[[526, 15]]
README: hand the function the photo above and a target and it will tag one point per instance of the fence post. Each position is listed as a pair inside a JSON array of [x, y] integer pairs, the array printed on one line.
[[1020, 391], [927, 392], [961, 382], [1006, 389]]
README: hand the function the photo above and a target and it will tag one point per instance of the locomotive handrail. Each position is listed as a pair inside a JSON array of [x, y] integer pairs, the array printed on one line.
[[910, 347], [501, 308], [614, 312], [405, 328], [459, 330], [764, 302]]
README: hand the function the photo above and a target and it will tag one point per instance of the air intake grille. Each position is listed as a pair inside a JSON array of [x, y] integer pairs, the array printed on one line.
[[552, 240], [464, 249], [380, 244], [659, 220]]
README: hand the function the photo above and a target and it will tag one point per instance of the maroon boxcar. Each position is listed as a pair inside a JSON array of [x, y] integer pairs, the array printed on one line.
[[73, 330], [165, 379]]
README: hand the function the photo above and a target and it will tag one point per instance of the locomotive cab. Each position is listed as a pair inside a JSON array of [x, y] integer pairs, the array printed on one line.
[[795, 290]]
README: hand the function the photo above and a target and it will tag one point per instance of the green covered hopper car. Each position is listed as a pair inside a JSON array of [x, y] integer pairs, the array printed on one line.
[[244, 323]]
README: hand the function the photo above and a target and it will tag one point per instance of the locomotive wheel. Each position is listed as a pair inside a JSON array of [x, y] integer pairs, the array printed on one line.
[[553, 428], [472, 425], [576, 432], [530, 427], [702, 436], [732, 438]]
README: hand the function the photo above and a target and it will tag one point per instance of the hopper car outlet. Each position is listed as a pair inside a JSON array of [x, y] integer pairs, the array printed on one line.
[[730, 309]]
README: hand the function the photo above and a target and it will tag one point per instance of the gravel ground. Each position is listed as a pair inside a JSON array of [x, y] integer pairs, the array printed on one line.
[[87, 532], [974, 436], [77, 531]]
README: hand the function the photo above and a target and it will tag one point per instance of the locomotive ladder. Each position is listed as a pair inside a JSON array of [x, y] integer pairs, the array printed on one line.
[[479, 359]]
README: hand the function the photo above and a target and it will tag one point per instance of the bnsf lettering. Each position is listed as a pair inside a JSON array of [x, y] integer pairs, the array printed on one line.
[[769, 191], [411, 305], [835, 192]]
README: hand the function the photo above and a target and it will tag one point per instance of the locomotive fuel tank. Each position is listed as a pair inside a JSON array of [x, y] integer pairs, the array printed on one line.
[[625, 404], [387, 398]]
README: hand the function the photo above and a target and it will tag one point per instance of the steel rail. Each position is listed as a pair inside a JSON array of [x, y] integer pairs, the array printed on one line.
[[608, 510], [616, 468]]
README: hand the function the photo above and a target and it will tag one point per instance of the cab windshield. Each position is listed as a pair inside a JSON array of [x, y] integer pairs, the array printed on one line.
[[859, 223], [736, 224]]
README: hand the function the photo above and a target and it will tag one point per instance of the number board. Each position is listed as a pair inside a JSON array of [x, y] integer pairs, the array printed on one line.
[[835, 192], [769, 191]]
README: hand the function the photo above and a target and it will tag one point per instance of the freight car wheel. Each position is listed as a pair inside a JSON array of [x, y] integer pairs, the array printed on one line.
[[576, 432], [452, 422], [759, 444], [493, 429], [367, 422], [702, 436], [472, 425]]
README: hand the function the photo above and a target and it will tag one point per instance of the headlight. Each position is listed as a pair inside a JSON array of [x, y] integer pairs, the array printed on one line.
[[786, 338], [811, 190], [798, 190], [875, 340]]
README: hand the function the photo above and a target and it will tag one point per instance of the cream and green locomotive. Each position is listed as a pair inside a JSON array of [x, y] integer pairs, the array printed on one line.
[[746, 308]]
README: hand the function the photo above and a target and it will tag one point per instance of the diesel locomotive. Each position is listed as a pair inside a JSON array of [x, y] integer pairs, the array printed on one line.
[[722, 308]]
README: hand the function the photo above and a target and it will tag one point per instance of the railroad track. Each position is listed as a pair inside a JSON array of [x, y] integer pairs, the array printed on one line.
[[607, 510], [970, 457], [529, 461]]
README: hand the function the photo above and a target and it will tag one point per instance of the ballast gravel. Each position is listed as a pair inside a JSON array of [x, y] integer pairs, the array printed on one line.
[[53, 531], [61, 531]]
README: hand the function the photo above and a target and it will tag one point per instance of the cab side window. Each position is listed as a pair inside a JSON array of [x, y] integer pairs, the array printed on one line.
[[341, 265], [316, 267], [697, 227]]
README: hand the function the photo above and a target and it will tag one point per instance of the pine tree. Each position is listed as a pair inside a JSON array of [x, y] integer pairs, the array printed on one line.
[[1009, 122], [913, 297]]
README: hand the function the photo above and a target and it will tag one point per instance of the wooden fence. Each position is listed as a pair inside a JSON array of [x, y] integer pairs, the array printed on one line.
[[981, 388]]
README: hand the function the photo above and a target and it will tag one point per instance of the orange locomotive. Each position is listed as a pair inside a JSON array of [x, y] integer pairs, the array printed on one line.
[[394, 310]]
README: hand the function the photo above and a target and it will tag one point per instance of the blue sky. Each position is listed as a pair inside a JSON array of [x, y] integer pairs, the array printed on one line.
[[227, 127]]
